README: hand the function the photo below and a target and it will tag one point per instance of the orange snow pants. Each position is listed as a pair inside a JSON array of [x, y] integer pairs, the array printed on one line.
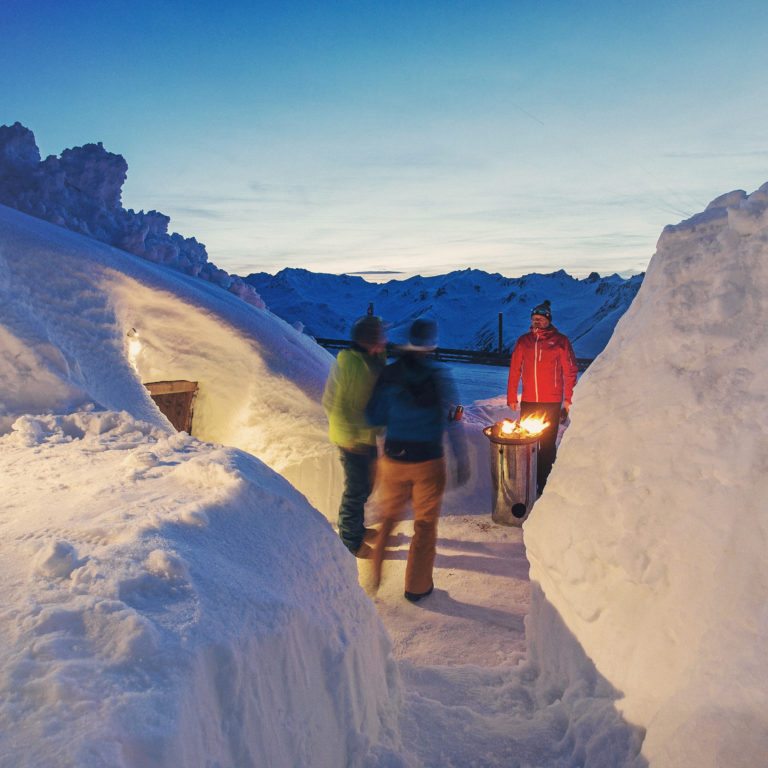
[[422, 483]]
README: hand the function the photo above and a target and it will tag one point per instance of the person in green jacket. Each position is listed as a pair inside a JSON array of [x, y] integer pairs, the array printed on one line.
[[346, 394]]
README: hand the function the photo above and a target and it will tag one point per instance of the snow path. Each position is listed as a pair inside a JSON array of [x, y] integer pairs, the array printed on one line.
[[460, 648], [482, 595], [461, 651], [474, 697], [474, 694]]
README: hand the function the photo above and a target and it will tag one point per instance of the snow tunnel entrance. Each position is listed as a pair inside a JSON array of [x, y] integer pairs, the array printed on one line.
[[176, 401]]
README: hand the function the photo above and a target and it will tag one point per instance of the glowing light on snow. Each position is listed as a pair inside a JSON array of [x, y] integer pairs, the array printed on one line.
[[134, 347]]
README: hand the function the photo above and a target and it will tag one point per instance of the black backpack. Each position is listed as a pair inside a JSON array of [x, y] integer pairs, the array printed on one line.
[[425, 392]]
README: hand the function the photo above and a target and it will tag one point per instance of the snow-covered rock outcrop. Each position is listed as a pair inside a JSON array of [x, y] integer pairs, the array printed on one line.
[[81, 190], [650, 541]]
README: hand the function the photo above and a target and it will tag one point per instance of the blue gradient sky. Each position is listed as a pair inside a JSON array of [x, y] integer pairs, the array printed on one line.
[[416, 136]]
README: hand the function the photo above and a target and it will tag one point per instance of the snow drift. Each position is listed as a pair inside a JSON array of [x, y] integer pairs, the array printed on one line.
[[158, 610], [168, 602], [650, 539]]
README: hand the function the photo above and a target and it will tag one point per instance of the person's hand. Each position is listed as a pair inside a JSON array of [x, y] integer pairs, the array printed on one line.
[[462, 473], [515, 406], [564, 413]]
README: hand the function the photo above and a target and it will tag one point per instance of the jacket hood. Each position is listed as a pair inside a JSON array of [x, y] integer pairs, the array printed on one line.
[[417, 367]]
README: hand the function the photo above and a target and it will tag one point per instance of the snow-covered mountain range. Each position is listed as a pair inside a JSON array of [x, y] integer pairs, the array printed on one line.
[[466, 304]]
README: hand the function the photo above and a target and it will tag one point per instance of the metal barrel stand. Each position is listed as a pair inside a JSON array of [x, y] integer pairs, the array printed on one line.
[[513, 470]]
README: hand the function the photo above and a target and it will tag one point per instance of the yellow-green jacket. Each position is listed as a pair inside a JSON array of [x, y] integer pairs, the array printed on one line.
[[346, 394]]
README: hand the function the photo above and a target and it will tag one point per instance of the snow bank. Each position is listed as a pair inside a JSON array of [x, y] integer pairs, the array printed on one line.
[[170, 603], [102, 322], [650, 540]]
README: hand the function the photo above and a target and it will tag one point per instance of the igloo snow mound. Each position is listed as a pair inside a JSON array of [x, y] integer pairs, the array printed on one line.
[[651, 538], [84, 323], [170, 603]]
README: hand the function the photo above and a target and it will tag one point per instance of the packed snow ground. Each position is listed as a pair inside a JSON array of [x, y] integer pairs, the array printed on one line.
[[176, 603]]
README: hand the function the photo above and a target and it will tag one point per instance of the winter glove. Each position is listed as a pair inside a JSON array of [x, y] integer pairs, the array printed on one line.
[[564, 414]]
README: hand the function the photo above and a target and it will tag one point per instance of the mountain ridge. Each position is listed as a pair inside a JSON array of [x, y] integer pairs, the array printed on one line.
[[465, 302]]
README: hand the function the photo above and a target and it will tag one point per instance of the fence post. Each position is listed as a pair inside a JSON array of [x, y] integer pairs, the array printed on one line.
[[501, 332]]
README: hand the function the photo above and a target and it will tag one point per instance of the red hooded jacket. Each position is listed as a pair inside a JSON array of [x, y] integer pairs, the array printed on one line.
[[545, 360]]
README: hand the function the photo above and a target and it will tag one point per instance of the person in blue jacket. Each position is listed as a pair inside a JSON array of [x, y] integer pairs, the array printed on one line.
[[414, 399]]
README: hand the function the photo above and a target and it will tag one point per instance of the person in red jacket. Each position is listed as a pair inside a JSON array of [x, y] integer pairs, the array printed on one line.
[[544, 359]]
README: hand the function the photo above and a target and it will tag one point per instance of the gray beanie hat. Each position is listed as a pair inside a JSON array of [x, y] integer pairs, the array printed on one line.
[[422, 336]]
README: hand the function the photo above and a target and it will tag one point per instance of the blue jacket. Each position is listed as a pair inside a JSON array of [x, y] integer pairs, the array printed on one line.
[[412, 399]]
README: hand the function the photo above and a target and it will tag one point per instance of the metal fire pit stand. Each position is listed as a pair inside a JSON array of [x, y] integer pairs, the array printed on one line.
[[513, 469]]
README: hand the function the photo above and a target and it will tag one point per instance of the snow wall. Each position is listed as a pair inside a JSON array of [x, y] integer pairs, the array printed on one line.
[[650, 541], [169, 602]]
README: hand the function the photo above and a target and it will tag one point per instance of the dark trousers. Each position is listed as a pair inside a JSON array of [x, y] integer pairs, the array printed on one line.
[[548, 439], [359, 469]]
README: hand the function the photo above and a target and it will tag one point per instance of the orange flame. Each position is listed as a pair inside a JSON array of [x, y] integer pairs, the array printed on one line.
[[507, 427], [530, 426], [534, 425]]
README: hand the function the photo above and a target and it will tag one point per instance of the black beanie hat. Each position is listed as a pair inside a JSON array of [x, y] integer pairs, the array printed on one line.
[[368, 330], [542, 309]]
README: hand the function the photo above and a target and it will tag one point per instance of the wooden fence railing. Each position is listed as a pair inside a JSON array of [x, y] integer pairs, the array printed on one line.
[[453, 355]]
